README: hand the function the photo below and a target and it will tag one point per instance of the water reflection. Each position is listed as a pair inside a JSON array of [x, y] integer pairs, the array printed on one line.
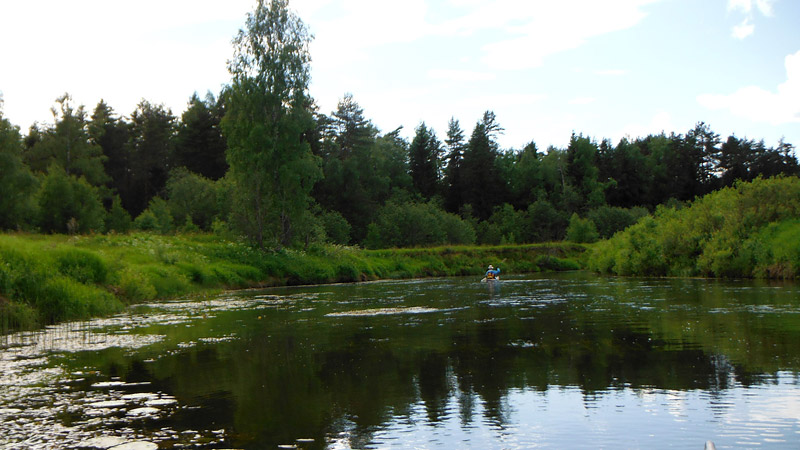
[[571, 361]]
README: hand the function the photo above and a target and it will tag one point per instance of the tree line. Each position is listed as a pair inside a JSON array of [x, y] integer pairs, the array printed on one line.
[[260, 160]]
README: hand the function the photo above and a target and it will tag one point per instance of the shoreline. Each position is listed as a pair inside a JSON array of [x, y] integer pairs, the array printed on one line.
[[48, 279]]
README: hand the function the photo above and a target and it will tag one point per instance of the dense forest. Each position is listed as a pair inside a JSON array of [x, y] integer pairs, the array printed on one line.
[[260, 160]]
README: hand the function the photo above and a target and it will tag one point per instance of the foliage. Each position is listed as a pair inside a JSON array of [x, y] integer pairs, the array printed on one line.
[[544, 222], [581, 230], [417, 224], [505, 225], [193, 196], [337, 230], [482, 188], [611, 219], [280, 162], [453, 182], [151, 155], [63, 199], [17, 183], [118, 219], [267, 115], [581, 169], [146, 221], [68, 145], [199, 144], [156, 217], [45, 285], [361, 170], [740, 231], [425, 161], [80, 265]]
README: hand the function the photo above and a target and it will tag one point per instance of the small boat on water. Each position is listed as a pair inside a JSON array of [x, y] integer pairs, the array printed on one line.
[[492, 274]]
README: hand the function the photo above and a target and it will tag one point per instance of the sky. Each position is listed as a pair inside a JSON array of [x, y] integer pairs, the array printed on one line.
[[547, 69]]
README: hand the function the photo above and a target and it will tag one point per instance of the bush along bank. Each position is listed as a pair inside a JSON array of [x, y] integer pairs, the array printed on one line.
[[750, 230], [46, 279]]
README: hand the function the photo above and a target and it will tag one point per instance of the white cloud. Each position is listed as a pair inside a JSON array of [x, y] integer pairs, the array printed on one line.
[[760, 105], [121, 52], [611, 72], [746, 6], [526, 32], [350, 28], [661, 121], [582, 100], [540, 29], [744, 29], [460, 75], [765, 6]]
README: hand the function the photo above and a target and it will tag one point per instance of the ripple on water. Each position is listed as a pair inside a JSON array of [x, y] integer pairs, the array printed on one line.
[[383, 311]]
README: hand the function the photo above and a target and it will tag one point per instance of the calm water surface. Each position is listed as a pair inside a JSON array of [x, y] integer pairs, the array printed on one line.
[[558, 361]]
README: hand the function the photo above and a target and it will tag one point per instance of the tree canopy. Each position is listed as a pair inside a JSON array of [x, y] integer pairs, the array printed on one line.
[[260, 160]]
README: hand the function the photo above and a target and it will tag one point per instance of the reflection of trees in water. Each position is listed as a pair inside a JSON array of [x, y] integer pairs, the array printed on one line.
[[313, 380], [278, 389]]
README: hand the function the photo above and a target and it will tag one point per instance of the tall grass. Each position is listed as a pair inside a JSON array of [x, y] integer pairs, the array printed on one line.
[[42, 284]]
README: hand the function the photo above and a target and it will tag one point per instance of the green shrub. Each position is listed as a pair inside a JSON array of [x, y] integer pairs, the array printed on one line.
[[581, 230], [23, 275], [749, 230], [189, 226], [336, 227], [160, 210], [507, 224], [64, 199], [415, 225], [776, 250], [118, 219], [191, 196], [146, 221], [234, 275], [196, 273], [610, 219], [543, 223]]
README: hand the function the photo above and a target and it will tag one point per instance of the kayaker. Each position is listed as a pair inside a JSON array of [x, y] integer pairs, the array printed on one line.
[[492, 273]]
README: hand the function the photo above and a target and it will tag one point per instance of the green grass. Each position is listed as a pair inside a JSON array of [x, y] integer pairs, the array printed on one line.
[[50, 278]]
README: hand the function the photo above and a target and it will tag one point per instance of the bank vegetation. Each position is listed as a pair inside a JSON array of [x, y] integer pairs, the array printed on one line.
[[46, 279]]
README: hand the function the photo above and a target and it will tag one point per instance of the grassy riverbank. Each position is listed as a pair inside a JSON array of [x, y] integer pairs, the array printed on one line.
[[50, 278]]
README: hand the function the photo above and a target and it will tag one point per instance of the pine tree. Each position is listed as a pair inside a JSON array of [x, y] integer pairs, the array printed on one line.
[[482, 188], [453, 185], [424, 157]]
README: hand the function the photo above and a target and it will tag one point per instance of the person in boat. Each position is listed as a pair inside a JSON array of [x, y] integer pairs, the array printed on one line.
[[492, 273]]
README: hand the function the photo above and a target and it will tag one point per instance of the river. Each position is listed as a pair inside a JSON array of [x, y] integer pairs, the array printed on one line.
[[566, 360]]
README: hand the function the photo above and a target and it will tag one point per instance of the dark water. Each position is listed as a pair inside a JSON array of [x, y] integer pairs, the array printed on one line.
[[558, 361]]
